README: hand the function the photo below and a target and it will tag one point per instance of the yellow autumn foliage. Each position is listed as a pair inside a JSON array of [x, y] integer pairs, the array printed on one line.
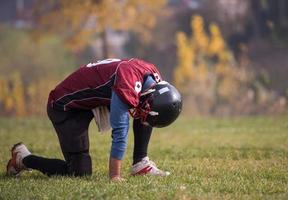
[[216, 41], [78, 21], [206, 67], [19, 100], [17, 93], [200, 40], [29, 72], [185, 57], [5, 97], [12, 94], [202, 53]]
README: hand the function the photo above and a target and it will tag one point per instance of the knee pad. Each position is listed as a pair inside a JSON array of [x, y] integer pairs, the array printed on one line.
[[80, 165]]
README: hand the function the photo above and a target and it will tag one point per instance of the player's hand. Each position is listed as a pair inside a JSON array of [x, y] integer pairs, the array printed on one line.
[[118, 179], [115, 169]]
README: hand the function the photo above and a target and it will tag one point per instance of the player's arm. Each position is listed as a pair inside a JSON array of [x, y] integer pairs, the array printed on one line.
[[119, 119]]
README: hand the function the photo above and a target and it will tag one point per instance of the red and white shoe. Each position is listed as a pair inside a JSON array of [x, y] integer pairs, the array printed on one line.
[[147, 167], [15, 165]]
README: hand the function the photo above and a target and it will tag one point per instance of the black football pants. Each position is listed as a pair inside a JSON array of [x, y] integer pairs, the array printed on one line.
[[72, 131]]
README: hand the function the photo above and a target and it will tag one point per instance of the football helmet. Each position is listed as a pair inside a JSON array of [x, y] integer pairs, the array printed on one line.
[[159, 106]]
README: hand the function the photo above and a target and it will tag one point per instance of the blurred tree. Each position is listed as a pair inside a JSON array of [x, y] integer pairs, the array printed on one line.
[[79, 21], [201, 53], [29, 70], [206, 68], [18, 94], [184, 72]]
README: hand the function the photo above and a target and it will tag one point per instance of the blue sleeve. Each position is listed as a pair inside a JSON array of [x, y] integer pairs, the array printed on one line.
[[148, 82], [119, 119]]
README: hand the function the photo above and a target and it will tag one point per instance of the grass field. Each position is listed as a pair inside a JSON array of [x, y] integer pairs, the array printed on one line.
[[209, 158]]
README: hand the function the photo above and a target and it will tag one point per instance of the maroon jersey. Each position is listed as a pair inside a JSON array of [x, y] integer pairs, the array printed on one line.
[[92, 84]]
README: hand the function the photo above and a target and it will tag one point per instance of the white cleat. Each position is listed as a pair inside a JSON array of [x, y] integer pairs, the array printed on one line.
[[15, 165], [147, 167]]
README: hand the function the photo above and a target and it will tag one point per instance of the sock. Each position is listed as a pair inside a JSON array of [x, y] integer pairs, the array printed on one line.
[[142, 135], [45, 165]]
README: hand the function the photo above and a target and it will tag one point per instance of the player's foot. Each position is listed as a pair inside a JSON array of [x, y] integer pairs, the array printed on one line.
[[15, 164], [147, 167]]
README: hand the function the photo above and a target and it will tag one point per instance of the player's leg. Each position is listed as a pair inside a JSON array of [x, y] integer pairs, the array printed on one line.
[[142, 134], [79, 164], [74, 141], [46, 165], [22, 158], [141, 163], [72, 131]]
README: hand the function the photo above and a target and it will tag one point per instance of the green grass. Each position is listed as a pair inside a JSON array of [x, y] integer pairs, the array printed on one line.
[[209, 158]]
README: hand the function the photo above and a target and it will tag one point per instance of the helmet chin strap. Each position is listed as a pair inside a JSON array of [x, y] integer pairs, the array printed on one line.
[[147, 92]]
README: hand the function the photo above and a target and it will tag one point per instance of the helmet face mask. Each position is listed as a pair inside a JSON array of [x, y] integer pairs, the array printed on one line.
[[160, 106], [142, 111]]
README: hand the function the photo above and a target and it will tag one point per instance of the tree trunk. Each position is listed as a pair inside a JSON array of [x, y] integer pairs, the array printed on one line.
[[105, 44]]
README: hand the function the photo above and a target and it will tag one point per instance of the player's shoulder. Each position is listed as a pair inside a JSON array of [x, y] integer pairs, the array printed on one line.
[[137, 63], [140, 61]]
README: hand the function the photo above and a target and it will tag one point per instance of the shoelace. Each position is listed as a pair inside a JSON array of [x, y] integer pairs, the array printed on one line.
[[152, 163]]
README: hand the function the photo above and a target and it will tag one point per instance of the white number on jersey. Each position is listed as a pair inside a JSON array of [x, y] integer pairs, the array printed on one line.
[[101, 62], [138, 86], [157, 77]]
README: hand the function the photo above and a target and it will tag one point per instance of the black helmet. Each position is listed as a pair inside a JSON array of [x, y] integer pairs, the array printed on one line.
[[159, 106]]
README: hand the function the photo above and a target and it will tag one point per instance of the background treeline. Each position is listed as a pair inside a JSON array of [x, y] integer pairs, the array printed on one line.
[[227, 57]]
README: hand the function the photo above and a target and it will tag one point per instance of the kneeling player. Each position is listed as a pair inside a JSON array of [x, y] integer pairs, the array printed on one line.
[[112, 88]]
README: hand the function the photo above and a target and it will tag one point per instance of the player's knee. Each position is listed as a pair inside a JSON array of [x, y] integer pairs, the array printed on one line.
[[80, 165]]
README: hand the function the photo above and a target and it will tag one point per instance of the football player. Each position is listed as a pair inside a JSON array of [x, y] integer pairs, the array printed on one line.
[[113, 88]]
